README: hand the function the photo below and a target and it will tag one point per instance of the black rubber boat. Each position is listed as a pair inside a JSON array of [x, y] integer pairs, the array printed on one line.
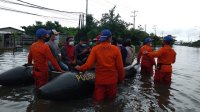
[[73, 85], [62, 86], [21, 75]]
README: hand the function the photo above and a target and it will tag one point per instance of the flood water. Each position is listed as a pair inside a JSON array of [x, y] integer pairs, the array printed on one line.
[[137, 94]]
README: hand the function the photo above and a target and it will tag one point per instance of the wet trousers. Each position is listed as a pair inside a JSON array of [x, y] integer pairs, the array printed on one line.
[[105, 91], [41, 78], [162, 77], [146, 70]]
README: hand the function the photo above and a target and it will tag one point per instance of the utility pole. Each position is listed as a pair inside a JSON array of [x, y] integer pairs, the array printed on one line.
[[162, 33], [86, 12], [145, 28], [82, 20], [154, 27], [79, 22], [134, 15]]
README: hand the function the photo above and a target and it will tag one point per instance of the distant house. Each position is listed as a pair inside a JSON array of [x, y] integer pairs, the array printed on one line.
[[6, 39], [11, 30]]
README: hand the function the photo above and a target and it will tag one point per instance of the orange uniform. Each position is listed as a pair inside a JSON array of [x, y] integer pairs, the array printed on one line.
[[40, 53], [109, 68], [146, 61], [166, 56]]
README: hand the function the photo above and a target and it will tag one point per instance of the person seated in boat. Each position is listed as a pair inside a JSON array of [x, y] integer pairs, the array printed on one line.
[[68, 53], [94, 41], [82, 50], [54, 35], [40, 54], [146, 62], [130, 52], [108, 67], [123, 50]]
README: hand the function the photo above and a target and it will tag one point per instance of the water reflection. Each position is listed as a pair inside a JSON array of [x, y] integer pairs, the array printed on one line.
[[38, 105], [16, 93], [14, 98], [163, 98]]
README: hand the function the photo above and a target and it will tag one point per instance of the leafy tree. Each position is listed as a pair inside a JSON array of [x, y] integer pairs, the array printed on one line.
[[114, 23], [89, 31], [30, 30], [110, 20]]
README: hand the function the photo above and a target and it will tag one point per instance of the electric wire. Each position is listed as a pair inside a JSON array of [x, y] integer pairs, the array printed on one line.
[[14, 10], [40, 7], [37, 6]]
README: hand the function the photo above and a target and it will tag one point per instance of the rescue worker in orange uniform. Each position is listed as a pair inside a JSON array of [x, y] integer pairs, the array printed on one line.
[[166, 57], [146, 61], [40, 53], [108, 67]]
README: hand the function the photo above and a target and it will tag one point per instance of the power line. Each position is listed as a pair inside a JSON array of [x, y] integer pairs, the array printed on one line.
[[37, 6], [49, 8], [14, 10]]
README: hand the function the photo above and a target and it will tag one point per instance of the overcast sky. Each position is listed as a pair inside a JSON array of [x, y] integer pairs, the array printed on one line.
[[180, 18]]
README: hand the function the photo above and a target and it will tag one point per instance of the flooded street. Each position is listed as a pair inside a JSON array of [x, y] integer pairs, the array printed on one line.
[[137, 94]]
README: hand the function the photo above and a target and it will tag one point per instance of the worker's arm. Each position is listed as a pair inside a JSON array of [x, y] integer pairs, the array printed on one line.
[[155, 53], [153, 62], [90, 61]]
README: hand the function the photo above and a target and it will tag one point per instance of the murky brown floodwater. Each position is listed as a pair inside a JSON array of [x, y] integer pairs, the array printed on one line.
[[138, 94]]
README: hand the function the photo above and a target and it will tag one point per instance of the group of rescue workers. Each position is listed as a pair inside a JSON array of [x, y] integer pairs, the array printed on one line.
[[166, 56], [108, 59]]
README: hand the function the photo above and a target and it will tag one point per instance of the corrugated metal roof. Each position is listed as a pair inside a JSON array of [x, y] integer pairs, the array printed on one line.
[[5, 32]]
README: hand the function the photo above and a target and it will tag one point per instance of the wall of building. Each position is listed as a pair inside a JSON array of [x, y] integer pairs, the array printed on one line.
[[1, 41]]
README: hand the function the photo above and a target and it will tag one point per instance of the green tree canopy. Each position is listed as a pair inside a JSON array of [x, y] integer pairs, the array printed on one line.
[[30, 30], [110, 20]]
